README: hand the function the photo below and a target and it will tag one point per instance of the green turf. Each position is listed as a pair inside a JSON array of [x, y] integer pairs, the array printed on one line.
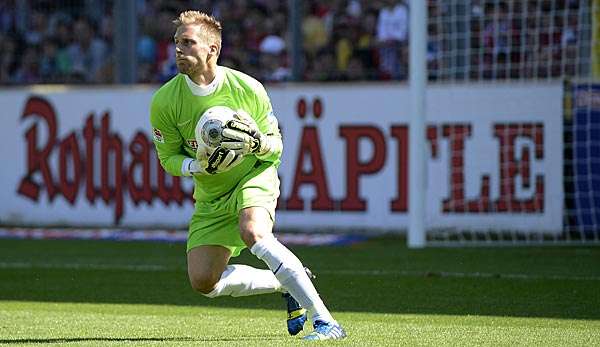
[[100, 293]]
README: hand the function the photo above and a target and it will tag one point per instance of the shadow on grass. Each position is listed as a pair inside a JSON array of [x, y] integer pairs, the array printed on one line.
[[132, 339], [379, 276]]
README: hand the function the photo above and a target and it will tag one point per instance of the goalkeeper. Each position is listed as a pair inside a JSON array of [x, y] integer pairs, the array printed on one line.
[[235, 192]]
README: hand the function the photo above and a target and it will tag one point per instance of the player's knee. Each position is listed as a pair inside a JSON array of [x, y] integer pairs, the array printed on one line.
[[255, 223], [249, 235], [203, 283]]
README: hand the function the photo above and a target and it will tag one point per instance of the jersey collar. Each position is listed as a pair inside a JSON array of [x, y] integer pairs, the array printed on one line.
[[205, 90]]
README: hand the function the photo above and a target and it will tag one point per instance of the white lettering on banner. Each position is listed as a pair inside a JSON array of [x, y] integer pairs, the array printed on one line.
[[484, 170]]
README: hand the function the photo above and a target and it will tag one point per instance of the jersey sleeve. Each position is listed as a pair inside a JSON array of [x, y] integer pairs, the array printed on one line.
[[167, 140], [268, 125]]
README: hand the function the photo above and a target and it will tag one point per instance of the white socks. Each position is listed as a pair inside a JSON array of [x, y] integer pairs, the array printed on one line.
[[290, 273], [287, 275], [243, 280]]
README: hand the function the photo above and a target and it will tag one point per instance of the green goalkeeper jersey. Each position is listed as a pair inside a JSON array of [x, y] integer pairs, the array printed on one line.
[[176, 108]]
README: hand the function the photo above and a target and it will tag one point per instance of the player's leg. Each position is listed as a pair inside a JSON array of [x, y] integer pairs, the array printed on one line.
[[256, 226], [210, 275], [206, 264], [256, 201], [212, 240]]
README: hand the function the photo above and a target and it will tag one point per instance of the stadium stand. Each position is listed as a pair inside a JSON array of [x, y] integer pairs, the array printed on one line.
[[344, 40]]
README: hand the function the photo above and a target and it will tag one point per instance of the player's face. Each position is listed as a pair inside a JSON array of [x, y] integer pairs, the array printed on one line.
[[192, 51]]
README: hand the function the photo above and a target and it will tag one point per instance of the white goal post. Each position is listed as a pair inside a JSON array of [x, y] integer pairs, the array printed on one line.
[[418, 81]]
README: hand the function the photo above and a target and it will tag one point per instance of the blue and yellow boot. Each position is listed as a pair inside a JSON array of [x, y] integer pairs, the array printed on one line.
[[296, 315]]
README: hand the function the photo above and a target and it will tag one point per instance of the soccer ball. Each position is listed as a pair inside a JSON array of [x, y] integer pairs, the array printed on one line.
[[211, 124], [209, 129]]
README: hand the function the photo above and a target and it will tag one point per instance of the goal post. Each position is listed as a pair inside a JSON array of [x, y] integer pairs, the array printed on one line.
[[417, 159]]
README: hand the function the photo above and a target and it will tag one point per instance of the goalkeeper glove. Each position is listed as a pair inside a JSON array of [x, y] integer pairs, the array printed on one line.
[[242, 134], [220, 160]]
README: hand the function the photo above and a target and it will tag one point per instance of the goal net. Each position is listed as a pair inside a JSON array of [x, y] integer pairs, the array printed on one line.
[[537, 40], [544, 187]]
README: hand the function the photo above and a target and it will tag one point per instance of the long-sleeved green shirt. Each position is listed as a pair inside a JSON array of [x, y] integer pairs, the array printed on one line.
[[178, 105]]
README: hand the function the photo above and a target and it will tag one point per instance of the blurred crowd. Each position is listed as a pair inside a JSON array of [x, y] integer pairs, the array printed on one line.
[[69, 41], [509, 39], [55, 42]]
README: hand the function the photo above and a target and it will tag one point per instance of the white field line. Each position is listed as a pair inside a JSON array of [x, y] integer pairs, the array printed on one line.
[[84, 266], [405, 273], [460, 274]]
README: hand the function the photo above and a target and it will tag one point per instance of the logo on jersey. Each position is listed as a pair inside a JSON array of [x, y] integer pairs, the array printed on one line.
[[192, 143], [157, 135]]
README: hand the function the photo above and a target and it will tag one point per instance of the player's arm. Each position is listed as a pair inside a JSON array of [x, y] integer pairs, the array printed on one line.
[[168, 142], [169, 146], [274, 145], [268, 120], [243, 135], [259, 134]]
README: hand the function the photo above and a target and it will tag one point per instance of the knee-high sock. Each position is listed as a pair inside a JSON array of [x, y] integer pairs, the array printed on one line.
[[243, 280], [289, 271]]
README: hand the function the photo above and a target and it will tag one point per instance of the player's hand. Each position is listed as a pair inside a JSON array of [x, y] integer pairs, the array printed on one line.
[[220, 160], [242, 134]]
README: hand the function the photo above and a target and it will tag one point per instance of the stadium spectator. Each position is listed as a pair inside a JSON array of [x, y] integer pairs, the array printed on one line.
[[8, 61], [321, 68], [146, 51], [62, 37], [392, 35], [88, 52], [49, 60], [272, 52], [569, 44], [8, 16], [496, 35], [314, 30], [344, 47], [433, 51], [28, 70], [366, 47], [37, 29]]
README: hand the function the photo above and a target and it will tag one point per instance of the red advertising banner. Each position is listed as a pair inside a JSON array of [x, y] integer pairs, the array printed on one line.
[[84, 157]]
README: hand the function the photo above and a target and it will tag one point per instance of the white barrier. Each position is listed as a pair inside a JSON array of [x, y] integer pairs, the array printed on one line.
[[345, 161]]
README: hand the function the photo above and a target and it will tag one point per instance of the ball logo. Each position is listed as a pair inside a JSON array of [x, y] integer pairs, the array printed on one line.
[[211, 132]]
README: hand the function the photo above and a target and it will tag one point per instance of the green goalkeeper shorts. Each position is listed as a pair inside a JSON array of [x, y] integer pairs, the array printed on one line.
[[216, 222]]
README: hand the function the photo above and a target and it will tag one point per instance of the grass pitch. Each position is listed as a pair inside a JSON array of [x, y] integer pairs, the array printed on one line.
[[101, 293]]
